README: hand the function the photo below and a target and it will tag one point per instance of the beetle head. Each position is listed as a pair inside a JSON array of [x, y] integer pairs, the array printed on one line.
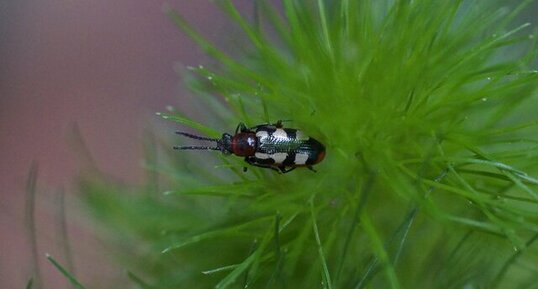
[[225, 144]]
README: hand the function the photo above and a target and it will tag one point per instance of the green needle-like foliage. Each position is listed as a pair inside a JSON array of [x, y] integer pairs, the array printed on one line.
[[428, 112]]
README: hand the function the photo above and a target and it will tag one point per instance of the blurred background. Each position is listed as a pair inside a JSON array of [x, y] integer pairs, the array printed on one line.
[[107, 66]]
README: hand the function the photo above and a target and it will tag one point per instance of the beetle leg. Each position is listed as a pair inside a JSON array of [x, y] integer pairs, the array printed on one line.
[[275, 169], [241, 127], [312, 169], [251, 161], [283, 169], [267, 167], [280, 123]]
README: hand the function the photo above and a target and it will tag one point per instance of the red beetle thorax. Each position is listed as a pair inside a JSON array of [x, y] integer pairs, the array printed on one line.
[[244, 144]]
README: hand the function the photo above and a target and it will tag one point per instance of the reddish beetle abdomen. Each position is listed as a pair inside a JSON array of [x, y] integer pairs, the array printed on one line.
[[244, 144], [321, 156]]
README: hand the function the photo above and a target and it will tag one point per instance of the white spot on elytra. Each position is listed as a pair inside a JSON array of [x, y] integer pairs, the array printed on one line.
[[300, 159], [262, 156], [280, 133], [279, 157], [262, 134], [299, 135]]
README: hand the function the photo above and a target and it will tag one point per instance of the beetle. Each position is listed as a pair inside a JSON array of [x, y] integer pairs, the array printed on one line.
[[267, 146]]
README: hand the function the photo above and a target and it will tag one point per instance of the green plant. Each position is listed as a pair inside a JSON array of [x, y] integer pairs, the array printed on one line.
[[427, 109]]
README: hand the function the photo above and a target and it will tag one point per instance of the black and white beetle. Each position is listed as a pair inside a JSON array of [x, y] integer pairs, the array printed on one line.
[[267, 146]]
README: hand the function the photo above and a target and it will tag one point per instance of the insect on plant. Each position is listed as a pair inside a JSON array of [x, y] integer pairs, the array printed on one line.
[[267, 145]]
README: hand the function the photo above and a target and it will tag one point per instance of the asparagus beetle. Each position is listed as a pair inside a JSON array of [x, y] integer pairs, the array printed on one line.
[[267, 145]]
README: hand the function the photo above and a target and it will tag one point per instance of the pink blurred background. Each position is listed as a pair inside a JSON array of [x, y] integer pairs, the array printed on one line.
[[106, 65]]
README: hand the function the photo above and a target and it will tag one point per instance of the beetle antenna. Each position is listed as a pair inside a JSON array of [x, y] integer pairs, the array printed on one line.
[[196, 136], [196, 148]]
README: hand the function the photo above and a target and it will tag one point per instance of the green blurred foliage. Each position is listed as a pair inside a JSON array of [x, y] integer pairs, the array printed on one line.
[[428, 112]]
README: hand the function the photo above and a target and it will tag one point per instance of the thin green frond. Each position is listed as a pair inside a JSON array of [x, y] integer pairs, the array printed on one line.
[[66, 273], [427, 113]]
